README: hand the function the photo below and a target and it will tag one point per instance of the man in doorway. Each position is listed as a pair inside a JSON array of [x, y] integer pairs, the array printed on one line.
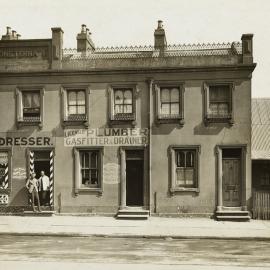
[[44, 188], [32, 186]]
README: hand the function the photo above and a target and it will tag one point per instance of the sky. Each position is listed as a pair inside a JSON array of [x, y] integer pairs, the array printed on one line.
[[127, 22]]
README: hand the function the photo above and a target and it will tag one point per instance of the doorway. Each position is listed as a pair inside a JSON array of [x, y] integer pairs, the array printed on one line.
[[42, 163], [134, 177], [232, 177]]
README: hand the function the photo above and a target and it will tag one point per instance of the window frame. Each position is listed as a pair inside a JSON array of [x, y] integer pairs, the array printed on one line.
[[77, 170], [9, 150], [160, 119], [172, 151], [69, 121], [20, 90], [208, 118], [112, 116]]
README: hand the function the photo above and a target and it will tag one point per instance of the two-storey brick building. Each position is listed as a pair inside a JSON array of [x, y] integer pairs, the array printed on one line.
[[161, 129]]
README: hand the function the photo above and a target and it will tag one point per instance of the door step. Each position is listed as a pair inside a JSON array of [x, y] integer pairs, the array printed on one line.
[[132, 213], [232, 215], [38, 214]]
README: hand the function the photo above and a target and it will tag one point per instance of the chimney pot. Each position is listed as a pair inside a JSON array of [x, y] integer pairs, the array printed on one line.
[[83, 28], [160, 24], [14, 33], [8, 31], [18, 36]]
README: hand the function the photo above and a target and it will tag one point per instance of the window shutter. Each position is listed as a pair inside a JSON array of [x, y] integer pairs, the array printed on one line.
[[64, 104], [19, 105]]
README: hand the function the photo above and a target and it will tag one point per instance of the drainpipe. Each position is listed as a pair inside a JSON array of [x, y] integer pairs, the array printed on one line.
[[150, 110]]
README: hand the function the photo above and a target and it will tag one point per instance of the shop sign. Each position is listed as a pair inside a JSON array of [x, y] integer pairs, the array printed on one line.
[[106, 137], [26, 141]]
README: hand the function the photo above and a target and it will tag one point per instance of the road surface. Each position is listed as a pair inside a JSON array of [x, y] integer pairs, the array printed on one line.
[[42, 252]]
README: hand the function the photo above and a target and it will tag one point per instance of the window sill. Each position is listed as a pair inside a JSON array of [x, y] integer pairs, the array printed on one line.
[[88, 190], [30, 123], [219, 119], [170, 119], [73, 122], [183, 189], [131, 122]]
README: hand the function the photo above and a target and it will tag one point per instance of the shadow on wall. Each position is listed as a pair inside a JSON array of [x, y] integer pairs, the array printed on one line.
[[21, 198], [215, 129]]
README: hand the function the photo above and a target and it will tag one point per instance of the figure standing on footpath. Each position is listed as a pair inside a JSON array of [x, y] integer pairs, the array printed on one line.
[[32, 186], [44, 188]]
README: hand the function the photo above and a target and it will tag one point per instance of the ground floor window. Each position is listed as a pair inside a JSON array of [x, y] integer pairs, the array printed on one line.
[[88, 169], [4, 168], [184, 168]]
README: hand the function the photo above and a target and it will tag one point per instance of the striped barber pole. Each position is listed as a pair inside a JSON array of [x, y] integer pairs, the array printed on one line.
[[51, 178], [6, 176], [31, 169], [31, 162]]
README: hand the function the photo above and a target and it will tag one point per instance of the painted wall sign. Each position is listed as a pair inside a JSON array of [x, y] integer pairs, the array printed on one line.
[[26, 141], [23, 52], [19, 173], [106, 137]]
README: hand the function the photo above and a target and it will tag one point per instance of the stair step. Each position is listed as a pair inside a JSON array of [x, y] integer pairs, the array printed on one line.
[[233, 218], [232, 213], [133, 216]]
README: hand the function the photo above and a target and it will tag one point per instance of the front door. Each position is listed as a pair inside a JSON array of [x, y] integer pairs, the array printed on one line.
[[134, 178], [231, 182]]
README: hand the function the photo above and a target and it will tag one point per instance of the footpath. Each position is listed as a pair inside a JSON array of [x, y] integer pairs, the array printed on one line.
[[154, 227]]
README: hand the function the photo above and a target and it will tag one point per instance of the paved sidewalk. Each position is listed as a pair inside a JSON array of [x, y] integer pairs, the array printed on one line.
[[153, 227]]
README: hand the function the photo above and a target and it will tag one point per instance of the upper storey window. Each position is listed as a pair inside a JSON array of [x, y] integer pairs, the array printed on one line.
[[30, 104], [218, 102], [123, 104], [170, 102], [75, 105]]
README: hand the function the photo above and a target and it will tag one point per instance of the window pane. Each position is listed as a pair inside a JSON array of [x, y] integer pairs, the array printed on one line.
[[180, 159], [175, 108], [213, 108], [223, 108], [190, 159], [94, 177], [81, 109], [165, 95], [27, 100], [118, 109], [127, 108], [180, 177], [165, 108], [128, 97], [36, 100], [175, 95], [189, 176], [72, 98], [118, 97], [72, 110], [93, 160], [81, 98]]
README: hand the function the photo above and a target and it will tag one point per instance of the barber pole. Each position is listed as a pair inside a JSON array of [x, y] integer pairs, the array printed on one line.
[[51, 178], [6, 176], [31, 169]]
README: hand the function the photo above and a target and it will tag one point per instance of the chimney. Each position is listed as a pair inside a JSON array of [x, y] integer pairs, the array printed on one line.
[[8, 35], [84, 41], [160, 37], [247, 48], [57, 46]]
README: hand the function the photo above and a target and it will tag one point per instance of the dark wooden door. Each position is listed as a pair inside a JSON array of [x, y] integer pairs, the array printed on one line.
[[134, 182], [231, 182]]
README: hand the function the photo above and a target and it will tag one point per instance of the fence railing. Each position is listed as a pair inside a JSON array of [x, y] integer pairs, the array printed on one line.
[[261, 204]]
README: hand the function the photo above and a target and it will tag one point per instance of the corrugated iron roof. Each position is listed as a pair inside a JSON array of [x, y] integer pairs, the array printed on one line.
[[260, 135]]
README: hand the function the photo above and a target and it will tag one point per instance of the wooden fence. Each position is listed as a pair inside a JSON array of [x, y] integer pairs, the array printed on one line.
[[261, 204]]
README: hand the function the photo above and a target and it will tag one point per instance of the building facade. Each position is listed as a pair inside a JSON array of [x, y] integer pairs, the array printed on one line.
[[163, 129]]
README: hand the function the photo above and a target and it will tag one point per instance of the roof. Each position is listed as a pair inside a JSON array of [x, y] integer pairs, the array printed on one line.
[[260, 135], [234, 48]]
